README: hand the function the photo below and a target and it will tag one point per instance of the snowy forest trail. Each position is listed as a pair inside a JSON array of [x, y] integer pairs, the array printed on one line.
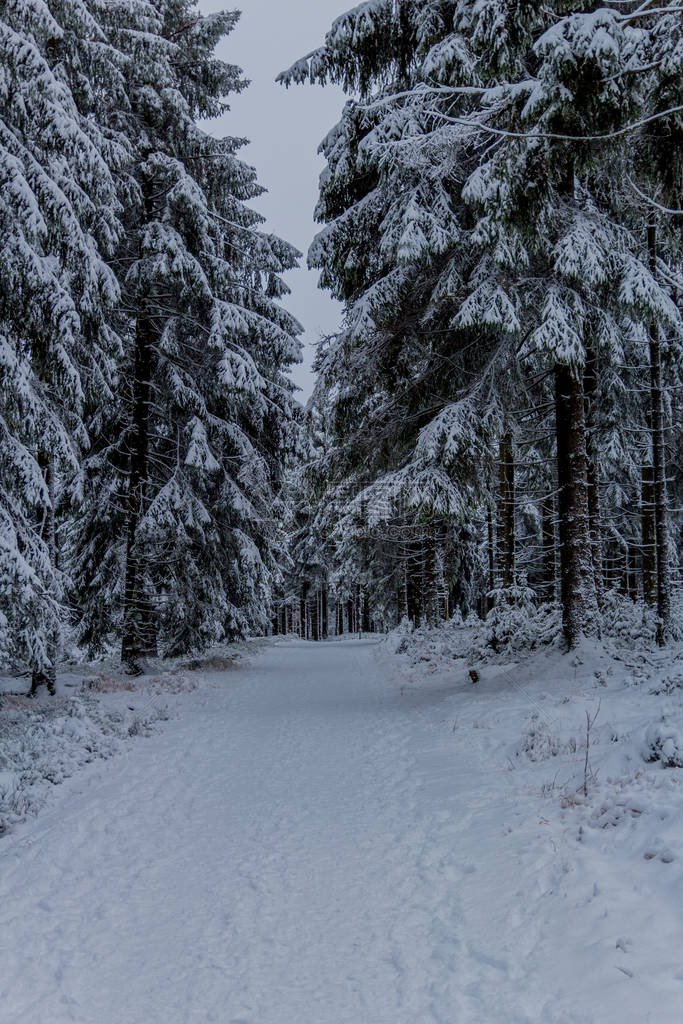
[[294, 848]]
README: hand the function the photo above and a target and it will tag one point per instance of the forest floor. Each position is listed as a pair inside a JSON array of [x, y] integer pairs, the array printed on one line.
[[340, 833]]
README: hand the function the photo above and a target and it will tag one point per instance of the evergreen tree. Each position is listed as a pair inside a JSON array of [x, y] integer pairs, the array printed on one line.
[[180, 531], [479, 234], [58, 224]]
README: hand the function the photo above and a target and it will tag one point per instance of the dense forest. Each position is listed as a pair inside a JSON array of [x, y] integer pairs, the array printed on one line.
[[496, 427], [146, 406]]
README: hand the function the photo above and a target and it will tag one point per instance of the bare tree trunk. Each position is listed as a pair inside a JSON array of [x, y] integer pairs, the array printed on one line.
[[590, 383], [46, 675], [659, 465], [430, 595], [323, 610], [139, 636], [624, 581], [632, 577], [366, 613], [401, 595], [492, 561], [302, 612], [315, 624], [549, 570], [506, 512], [580, 614], [412, 589]]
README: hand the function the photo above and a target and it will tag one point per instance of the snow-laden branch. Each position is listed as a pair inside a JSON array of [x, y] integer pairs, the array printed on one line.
[[504, 133], [653, 202]]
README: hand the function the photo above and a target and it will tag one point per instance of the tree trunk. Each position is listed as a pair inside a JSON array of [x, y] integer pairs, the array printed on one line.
[[46, 675], [139, 635], [302, 612], [430, 589], [506, 512], [580, 614], [315, 623], [412, 591], [492, 562], [549, 570], [323, 610], [366, 613], [401, 595], [659, 466], [632, 574], [590, 383]]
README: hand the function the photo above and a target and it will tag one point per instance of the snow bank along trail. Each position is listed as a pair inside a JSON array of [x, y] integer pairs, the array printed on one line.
[[306, 844]]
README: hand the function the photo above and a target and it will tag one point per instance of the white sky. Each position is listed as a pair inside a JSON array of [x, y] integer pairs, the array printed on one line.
[[285, 127]]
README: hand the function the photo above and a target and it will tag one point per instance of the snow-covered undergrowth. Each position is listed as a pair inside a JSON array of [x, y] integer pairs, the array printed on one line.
[[516, 626], [97, 711], [612, 704], [507, 631], [334, 833], [45, 741], [591, 745]]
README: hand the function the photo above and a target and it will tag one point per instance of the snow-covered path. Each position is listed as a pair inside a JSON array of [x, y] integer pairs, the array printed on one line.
[[308, 842], [253, 863]]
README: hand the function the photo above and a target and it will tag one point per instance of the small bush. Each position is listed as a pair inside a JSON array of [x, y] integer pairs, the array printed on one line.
[[664, 743]]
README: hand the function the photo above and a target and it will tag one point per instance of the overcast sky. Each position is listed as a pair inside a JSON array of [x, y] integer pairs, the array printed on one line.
[[285, 127]]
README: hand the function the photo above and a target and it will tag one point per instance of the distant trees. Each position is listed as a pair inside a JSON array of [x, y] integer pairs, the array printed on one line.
[[486, 204]]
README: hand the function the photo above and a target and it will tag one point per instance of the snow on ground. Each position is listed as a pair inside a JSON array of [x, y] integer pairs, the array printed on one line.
[[341, 833], [43, 741]]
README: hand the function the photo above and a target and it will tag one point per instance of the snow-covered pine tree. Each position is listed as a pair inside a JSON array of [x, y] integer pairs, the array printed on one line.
[[658, 184], [58, 223], [460, 184], [177, 545], [396, 249], [573, 126]]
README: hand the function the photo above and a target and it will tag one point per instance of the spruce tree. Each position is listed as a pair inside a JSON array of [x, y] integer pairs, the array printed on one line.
[[478, 232], [180, 530], [58, 225]]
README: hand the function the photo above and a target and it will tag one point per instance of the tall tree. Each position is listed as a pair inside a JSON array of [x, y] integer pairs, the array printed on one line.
[[182, 489], [478, 231], [58, 224]]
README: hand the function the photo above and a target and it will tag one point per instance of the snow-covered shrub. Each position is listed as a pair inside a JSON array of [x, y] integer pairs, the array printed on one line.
[[664, 743], [507, 622], [667, 686], [633, 623], [398, 641], [514, 625], [41, 745], [540, 743], [617, 807]]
